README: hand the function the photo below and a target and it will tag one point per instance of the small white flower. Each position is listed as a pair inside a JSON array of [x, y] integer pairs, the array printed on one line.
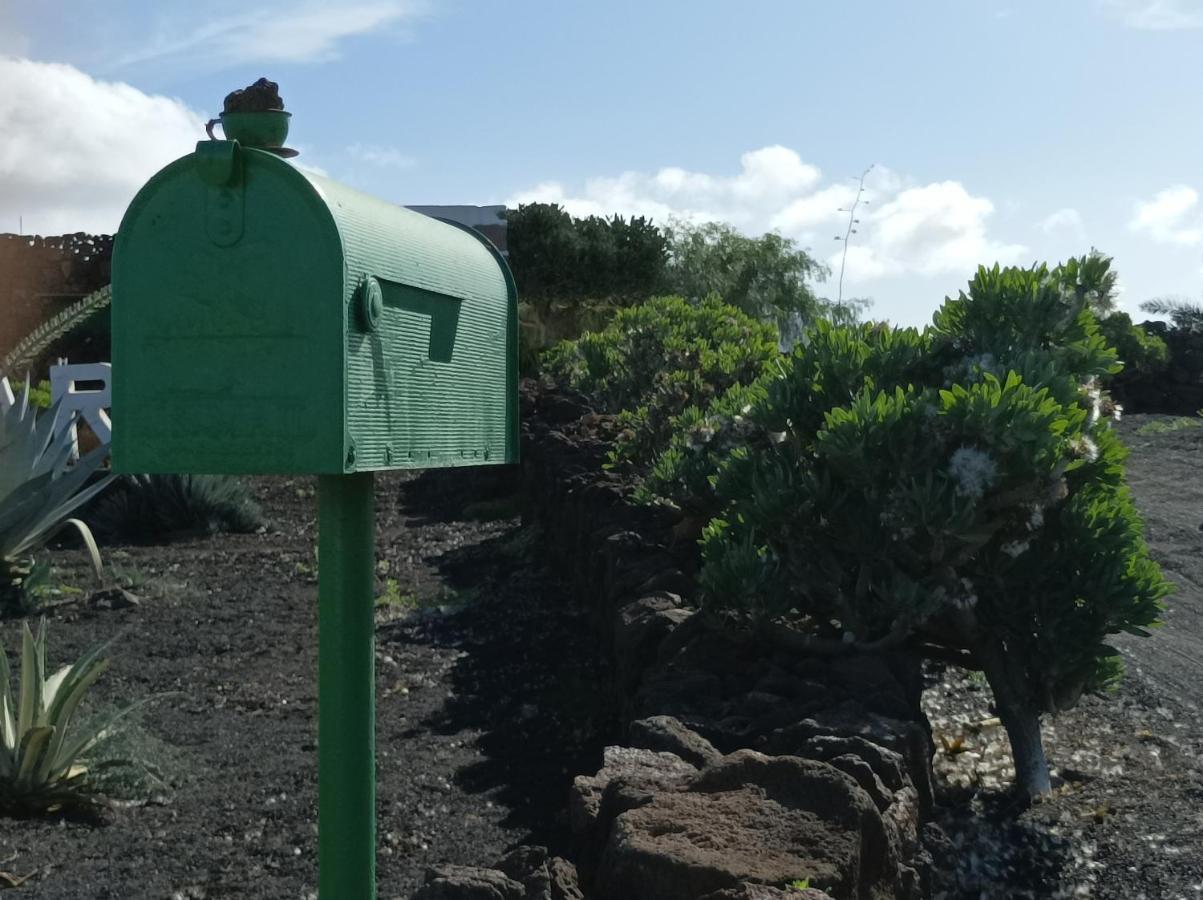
[[1119, 411], [777, 437], [973, 470], [1037, 517], [1086, 448], [1015, 549]]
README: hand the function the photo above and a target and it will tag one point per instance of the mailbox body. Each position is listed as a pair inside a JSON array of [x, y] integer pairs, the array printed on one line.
[[267, 320]]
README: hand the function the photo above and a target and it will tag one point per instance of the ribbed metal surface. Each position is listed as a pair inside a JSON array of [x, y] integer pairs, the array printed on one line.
[[406, 406]]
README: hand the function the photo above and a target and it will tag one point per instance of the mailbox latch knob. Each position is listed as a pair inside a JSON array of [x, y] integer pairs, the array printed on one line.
[[371, 303]]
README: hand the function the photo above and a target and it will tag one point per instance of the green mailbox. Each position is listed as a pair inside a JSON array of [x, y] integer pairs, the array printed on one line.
[[268, 320]]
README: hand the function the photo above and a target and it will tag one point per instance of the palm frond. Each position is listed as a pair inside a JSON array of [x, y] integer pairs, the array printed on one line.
[[42, 338], [1183, 314]]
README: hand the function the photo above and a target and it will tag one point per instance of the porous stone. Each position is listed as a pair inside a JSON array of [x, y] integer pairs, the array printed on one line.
[[645, 770], [668, 734], [751, 818], [468, 883]]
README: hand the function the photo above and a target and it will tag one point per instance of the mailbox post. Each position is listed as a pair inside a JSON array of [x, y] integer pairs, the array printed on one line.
[[271, 321]]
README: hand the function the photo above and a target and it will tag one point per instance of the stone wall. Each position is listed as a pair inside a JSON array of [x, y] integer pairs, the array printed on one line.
[[39, 276], [745, 766]]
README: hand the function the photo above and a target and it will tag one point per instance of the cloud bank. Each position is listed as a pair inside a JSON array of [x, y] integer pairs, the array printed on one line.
[[75, 149], [905, 229]]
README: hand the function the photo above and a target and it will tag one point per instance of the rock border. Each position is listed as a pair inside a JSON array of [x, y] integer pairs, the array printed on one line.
[[744, 768]]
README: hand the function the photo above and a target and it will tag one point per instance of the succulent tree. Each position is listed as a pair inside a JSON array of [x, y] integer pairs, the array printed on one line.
[[957, 491]]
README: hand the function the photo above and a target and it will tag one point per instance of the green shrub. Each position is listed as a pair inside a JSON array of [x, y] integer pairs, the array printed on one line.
[[656, 360], [142, 508], [39, 490], [1143, 354], [39, 394], [44, 766], [574, 274], [958, 491], [767, 277], [832, 364]]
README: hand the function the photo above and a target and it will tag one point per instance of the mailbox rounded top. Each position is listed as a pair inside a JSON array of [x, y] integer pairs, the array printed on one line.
[[245, 340]]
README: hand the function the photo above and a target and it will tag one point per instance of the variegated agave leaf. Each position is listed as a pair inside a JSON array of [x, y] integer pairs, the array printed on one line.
[[38, 489], [42, 764]]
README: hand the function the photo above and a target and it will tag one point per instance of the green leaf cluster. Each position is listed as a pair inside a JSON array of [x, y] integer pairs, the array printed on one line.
[[768, 277], [654, 361], [957, 487]]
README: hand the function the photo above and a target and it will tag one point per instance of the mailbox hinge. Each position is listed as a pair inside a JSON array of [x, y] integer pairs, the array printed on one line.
[[219, 164]]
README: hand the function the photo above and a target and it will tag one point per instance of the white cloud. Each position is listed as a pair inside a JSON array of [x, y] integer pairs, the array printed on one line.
[[904, 229], [384, 157], [75, 150], [1064, 221], [1171, 217], [1157, 15], [272, 33]]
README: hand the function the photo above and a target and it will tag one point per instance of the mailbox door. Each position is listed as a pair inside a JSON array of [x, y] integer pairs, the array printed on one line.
[[433, 381], [228, 321]]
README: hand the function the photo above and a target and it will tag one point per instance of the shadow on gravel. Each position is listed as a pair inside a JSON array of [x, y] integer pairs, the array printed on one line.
[[989, 843], [458, 495], [531, 680]]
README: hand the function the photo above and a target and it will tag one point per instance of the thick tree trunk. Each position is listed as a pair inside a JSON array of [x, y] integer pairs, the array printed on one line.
[[1020, 718]]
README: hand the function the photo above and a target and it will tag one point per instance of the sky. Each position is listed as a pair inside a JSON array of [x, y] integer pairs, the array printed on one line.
[[1010, 131]]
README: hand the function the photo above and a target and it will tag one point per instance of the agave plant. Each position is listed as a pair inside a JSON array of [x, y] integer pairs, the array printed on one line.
[[43, 765], [39, 488]]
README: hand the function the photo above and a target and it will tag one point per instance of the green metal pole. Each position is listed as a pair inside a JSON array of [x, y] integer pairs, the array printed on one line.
[[346, 689]]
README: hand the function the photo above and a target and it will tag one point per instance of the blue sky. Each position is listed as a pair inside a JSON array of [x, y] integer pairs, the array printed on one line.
[[998, 130]]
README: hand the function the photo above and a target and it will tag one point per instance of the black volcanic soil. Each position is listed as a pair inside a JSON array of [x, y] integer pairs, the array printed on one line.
[[490, 699]]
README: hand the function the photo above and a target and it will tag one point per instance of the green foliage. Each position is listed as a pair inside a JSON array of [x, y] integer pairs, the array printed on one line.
[[1142, 354], [557, 257], [958, 488], [393, 598], [39, 490], [44, 766], [1093, 276], [832, 364], [656, 360], [39, 394], [1180, 423], [574, 274], [766, 277], [144, 508]]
